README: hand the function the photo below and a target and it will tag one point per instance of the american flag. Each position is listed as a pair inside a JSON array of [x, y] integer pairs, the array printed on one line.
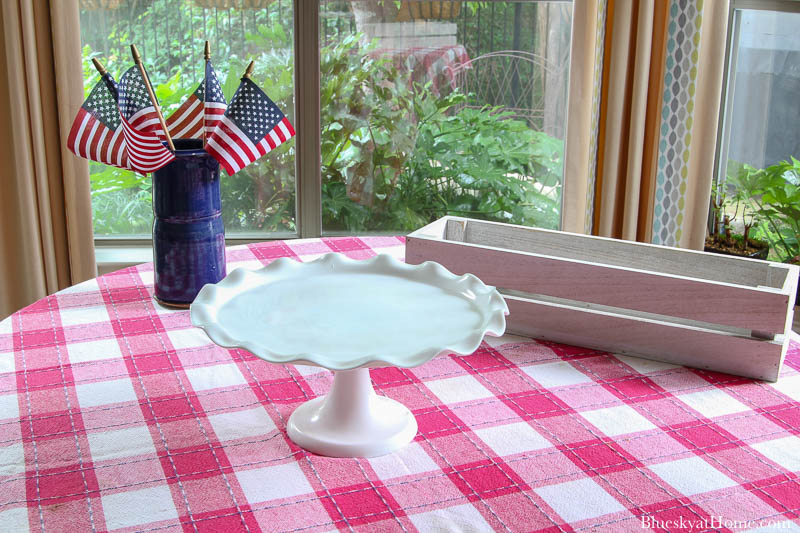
[[140, 124], [251, 126], [187, 121], [135, 104], [96, 132]]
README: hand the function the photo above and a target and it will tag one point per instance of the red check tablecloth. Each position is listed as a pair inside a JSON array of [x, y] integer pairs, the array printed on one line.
[[116, 414]]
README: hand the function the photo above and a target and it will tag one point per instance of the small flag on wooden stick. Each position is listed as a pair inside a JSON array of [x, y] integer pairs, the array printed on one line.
[[135, 105], [204, 107], [142, 123], [251, 126], [97, 132], [107, 78]]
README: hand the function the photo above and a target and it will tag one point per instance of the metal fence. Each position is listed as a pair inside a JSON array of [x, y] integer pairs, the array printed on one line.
[[173, 28]]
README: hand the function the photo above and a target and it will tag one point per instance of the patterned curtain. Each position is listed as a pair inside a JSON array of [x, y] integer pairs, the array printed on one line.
[[640, 157], [690, 108]]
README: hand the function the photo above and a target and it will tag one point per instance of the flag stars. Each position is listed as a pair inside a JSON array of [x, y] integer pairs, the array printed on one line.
[[253, 112]]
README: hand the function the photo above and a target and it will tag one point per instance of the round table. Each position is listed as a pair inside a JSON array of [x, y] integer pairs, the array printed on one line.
[[115, 413]]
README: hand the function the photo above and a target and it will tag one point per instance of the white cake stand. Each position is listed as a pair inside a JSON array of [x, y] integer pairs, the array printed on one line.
[[349, 316]]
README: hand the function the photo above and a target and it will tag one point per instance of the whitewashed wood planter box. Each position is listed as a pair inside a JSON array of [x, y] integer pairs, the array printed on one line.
[[686, 307]]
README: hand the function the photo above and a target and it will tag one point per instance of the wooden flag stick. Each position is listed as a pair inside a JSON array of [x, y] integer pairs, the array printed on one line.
[[138, 60], [107, 78], [99, 66], [207, 55], [249, 71]]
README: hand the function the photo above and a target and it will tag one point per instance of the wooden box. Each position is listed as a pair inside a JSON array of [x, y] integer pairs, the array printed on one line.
[[721, 313]]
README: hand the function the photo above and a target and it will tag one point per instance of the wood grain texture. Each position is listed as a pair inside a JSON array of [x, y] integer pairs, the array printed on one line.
[[627, 254], [763, 310], [681, 345], [685, 307]]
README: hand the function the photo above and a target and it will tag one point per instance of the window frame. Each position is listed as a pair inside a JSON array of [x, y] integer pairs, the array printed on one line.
[[114, 252], [731, 55]]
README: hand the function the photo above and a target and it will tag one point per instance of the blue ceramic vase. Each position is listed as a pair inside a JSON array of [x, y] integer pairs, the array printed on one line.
[[188, 236]]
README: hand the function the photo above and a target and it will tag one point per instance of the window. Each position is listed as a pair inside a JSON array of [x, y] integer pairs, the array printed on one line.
[[170, 34], [761, 117], [463, 114], [426, 108]]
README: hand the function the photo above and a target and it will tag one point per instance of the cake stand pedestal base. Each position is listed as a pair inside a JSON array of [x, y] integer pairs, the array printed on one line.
[[351, 420]]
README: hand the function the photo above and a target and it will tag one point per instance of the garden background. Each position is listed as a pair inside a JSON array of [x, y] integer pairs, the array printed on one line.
[[397, 152]]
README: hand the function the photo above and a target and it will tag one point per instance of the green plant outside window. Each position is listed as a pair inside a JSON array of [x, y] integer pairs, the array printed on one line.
[[774, 196], [395, 154]]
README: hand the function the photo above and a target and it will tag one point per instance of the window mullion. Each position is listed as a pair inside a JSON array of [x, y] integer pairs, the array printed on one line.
[[307, 118], [726, 105]]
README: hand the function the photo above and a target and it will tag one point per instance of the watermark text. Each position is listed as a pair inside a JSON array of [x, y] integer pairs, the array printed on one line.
[[712, 522]]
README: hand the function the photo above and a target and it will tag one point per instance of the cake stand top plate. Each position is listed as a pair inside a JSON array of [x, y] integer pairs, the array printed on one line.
[[342, 314]]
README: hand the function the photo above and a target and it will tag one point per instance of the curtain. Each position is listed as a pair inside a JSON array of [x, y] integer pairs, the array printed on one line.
[[630, 106], [585, 81], [708, 95], [46, 237], [691, 102], [642, 171]]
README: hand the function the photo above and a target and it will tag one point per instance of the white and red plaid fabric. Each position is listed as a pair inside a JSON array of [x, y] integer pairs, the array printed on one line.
[[116, 413]]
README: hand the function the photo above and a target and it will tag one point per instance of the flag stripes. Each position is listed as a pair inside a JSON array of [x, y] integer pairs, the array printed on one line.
[[251, 126], [201, 111], [91, 139], [214, 113], [116, 150], [234, 150], [226, 147], [187, 121], [146, 119], [145, 150]]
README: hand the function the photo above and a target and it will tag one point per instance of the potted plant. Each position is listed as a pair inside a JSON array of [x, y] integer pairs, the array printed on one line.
[[775, 195], [725, 211]]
